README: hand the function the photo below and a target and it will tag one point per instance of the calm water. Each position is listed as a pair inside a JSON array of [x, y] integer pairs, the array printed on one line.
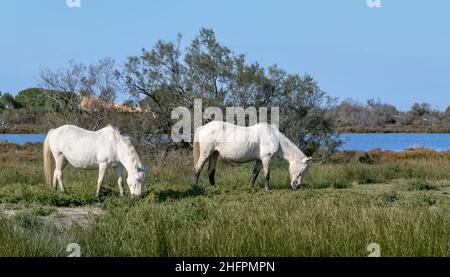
[[363, 142], [395, 142], [22, 138]]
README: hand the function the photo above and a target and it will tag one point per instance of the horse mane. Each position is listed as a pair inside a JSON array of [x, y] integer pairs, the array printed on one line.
[[135, 157], [287, 145], [126, 140]]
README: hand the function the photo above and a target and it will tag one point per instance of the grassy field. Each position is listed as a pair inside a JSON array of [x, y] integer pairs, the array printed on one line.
[[399, 200]]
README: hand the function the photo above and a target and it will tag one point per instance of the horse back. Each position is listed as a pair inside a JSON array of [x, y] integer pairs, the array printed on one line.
[[239, 144], [82, 148]]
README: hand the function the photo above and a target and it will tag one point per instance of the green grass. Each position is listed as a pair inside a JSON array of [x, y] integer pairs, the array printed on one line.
[[403, 206]]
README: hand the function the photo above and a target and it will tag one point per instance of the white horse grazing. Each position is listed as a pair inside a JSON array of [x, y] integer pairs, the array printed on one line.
[[93, 149], [259, 143]]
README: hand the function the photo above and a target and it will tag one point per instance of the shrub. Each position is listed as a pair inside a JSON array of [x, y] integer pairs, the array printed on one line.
[[419, 184]]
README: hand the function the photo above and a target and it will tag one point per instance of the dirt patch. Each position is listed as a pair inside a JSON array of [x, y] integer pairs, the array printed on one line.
[[63, 217]]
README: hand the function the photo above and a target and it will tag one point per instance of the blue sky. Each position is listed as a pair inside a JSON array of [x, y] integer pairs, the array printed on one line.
[[399, 53]]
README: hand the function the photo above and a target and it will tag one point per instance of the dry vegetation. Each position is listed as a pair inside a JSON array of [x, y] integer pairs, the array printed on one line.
[[15, 153]]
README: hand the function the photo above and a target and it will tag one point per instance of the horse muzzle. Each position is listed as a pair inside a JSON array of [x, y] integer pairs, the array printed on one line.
[[136, 195]]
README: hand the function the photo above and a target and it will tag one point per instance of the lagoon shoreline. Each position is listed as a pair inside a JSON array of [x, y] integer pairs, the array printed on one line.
[[351, 141], [10, 152]]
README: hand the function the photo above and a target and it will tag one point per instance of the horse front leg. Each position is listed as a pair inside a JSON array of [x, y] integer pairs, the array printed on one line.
[[266, 167], [267, 180], [101, 175], [119, 176]]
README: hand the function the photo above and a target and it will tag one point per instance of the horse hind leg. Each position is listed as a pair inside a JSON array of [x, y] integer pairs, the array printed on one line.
[[203, 157], [198, 168], [55, 179], [212, 167], [57, 174], [256, 171]]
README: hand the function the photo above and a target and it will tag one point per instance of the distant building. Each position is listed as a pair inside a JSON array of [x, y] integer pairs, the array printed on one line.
[[88, 103]]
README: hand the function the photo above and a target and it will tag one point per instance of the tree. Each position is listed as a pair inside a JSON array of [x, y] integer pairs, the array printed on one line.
[[31, 98], [155, 81], [447, 112], [351, 113], [82, 95], [163, 78], [382, 113], [8, 102], [421, 109], [304, 115]]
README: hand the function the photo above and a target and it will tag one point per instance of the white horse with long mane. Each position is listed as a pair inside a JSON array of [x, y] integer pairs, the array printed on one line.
[[260, 143], [93, 149]]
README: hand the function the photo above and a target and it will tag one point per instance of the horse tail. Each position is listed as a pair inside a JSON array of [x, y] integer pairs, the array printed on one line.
[[196, 150], [47, 160]]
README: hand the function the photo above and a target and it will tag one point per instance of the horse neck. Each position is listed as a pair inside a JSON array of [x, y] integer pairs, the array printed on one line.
[[128, 156], [289, 150]]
